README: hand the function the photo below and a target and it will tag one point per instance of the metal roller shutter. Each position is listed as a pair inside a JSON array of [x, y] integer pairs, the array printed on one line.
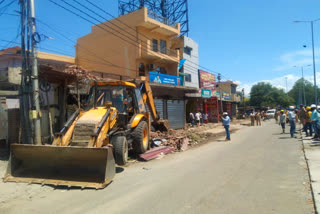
[[176, 113], [159, 107]]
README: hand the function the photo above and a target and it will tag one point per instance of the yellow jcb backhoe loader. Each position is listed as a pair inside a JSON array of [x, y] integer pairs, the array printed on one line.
[[85, 151]]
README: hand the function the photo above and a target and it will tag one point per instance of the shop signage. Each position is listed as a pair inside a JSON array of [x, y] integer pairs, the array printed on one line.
[[226, 96], [164, 78], [206, 93], [207, 80]]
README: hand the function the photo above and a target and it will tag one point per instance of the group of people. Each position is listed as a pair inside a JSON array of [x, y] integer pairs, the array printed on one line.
[[308, 116], [198, 118], [255, 117]]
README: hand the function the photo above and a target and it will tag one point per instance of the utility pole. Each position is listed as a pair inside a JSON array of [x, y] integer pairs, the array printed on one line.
[[24, 99], [313, 59], [221, 106], [244, 103], [303, 89], [35, 75], [286, 84], [314, 68]]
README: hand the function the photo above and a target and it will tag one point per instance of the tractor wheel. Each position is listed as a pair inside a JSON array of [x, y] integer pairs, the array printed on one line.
[[140, 136], [120, 146]]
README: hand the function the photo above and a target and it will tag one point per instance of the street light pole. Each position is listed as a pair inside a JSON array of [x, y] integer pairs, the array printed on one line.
[[314, 68], [303, 90], [303, 83], [313, 59]]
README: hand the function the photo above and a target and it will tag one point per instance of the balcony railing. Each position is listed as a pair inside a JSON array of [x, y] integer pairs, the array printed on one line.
[[161, 19]]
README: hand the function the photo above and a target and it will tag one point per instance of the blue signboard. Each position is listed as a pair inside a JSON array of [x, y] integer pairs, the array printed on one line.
[[206, 93], [164, 78]]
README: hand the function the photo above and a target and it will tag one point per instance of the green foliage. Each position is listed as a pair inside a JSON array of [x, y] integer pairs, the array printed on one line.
[[297, 91], [264, 94]]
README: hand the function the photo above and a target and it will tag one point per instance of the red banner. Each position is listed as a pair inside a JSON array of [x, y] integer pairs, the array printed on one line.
[[207, 80]]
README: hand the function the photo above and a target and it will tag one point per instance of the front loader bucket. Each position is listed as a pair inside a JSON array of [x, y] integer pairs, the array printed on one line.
[[61, 166], [161, 125]]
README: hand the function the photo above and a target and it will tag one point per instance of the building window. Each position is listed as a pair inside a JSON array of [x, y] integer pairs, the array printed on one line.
[[163, 46], [188, 78], [161, 70], [155, 45], [187, 50], [233, 89], [142, 71]]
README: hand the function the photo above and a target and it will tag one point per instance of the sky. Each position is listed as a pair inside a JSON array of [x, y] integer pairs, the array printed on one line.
[[248, 41]]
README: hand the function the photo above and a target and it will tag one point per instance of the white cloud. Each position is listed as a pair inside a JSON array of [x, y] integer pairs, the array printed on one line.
[[283, 82], [296, 58], [287, 62]]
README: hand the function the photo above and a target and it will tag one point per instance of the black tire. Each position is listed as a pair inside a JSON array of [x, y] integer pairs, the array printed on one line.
[[120, 148], [140, 136]]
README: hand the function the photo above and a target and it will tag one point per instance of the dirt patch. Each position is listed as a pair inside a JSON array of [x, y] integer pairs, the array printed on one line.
[[194, 135]]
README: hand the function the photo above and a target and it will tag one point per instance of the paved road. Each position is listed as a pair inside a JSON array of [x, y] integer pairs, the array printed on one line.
[[259, 171]]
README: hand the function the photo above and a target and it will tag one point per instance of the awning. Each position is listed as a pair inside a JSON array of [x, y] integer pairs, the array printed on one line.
[[185, 89]]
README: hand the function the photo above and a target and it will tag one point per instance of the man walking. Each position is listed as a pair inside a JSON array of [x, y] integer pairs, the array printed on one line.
[[258, 119], [198, 118], [303, 114], [191, 115], [252, 118], [276, 115], [292, 120], [315, 119], [282, 121], [308, 122], [226, 124]]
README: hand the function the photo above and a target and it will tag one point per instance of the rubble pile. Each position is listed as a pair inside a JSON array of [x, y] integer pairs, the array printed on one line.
[[81, 73], [177, 139]]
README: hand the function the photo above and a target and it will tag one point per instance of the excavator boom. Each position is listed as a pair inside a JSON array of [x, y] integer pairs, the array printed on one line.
[[158, 124]]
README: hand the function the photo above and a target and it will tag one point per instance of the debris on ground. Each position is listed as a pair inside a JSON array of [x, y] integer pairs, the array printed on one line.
[[182, 139], [156, 152]]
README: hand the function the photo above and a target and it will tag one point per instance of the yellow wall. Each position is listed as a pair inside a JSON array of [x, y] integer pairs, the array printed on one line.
[[102, 51]]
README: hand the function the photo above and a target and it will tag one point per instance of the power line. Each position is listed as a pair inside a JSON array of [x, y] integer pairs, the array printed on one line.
[[207, 69], [93, 22]]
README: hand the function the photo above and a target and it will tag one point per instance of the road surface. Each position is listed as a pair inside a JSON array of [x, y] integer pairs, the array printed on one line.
[[259, 171]]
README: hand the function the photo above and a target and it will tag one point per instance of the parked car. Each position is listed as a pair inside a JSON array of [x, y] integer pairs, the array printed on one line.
[[271, 113]]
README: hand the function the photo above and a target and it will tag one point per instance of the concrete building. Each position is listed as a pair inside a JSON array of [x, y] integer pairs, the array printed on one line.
[[54, 94], [142, 48], [227, 93], [189, 53], [141, 45]]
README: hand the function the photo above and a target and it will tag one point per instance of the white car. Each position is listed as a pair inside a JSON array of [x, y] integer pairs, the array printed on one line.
[[271, 113]]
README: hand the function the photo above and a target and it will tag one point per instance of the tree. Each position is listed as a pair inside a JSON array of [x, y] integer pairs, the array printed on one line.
[[297, 92], [264, 94]]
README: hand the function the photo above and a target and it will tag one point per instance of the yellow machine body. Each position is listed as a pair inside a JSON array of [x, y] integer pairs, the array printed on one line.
[[81, 154]]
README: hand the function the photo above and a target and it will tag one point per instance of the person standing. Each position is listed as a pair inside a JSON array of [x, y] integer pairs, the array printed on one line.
[[226, 125], [191, 116], [252, 118], [315, 119], [205, 118], [308, 123], [303, 114], [282, 121], [276, 115], [292, 120], [258, 119], [198, 118]]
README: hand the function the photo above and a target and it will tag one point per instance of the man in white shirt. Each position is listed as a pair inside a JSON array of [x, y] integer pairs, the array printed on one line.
[[198, 118]]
